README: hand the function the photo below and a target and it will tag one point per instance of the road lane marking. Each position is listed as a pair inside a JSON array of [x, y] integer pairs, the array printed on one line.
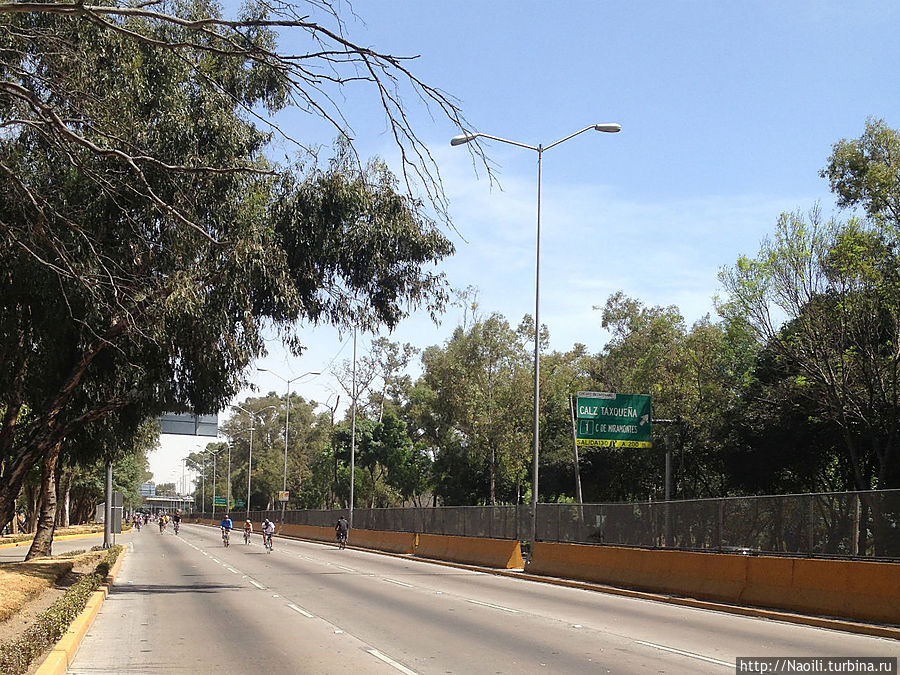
[[257, 584], [300, 610], [487, 604], [346, 569], [388, 660], [690, 655], [399, 583], [231, 569]]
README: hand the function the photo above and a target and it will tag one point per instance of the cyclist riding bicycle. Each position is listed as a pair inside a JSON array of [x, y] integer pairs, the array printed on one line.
[[341, 528], [176, 521], [268, 529], [227, 526], [248, 530]]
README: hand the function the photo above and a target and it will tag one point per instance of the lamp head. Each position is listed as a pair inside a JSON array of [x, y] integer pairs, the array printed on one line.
[[608, 128], [463, 138]]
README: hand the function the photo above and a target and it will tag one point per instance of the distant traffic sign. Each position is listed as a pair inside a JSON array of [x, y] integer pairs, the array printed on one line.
[[220, 501], [613, 420], [284, 496]]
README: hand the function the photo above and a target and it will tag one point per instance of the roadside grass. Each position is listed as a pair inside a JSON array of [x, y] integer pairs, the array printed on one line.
[[21, 581], [17, 655]]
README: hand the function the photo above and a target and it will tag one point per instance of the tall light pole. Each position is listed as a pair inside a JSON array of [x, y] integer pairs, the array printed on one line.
[[214, 456], [251, 415], [287, 419], [466, 138], [353, 433], [203, 489]]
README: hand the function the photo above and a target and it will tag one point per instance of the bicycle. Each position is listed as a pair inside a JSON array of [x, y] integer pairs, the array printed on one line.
[[342, 540], [246, 536], [267, 542], [176, 527], [226, 535]]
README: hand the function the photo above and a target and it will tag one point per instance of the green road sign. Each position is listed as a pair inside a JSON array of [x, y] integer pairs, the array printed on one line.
[[613, 420], [220, 501], [238, 503]]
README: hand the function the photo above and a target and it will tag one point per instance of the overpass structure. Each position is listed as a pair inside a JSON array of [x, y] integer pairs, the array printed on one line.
[[160, 503]]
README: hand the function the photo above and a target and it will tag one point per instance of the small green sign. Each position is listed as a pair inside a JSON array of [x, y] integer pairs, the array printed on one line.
[[238, 503], [613, 420], [220, 501]]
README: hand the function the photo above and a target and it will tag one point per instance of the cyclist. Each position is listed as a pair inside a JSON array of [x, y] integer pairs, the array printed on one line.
[[227, 526], [268, 529], [176, 521], [341, 528], [248, 530]]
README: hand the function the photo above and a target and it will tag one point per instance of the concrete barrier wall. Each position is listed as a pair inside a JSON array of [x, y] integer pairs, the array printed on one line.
[[850, 589], [392, 542], [306, 532], [497, 553]]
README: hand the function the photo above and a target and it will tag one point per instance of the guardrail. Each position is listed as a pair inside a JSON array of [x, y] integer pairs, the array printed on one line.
[[865, 524]]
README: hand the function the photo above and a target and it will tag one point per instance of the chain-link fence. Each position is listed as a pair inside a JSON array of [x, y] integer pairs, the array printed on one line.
[[825, 524], [821, 524]]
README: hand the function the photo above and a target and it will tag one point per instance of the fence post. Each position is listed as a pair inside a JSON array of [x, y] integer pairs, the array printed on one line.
[[721, 523], [854, 535], [812, 515]]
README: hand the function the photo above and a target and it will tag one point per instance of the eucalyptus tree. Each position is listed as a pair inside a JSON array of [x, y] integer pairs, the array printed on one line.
[[837, 286], [479, 390], [823, 297], [146, 237]]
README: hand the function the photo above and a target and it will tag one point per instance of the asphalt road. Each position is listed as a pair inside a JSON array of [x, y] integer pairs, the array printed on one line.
[[187, 604]]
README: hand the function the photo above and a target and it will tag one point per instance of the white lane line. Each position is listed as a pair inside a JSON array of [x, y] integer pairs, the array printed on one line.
[[218, 562], [231, 569], [399, 583], [300, 611], [388, 660], [487, 604], [690, 655], [257, 584], [346, 569]]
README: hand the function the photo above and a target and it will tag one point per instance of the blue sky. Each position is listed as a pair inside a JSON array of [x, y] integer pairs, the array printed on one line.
[[728, 110]]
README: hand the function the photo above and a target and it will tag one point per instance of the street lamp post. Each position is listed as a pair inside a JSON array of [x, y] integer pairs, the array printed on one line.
[[287, 419], [215, 456], [540, 149], [203, 489]]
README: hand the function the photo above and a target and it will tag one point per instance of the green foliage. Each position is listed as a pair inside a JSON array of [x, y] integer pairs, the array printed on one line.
[[146, 244], [477, 386]]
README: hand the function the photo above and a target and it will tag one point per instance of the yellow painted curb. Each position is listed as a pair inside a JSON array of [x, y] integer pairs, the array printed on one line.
[[56, 663], [63, 653]]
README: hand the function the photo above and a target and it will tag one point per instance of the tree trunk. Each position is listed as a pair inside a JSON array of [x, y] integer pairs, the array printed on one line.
[[43, 536], [67, 493]]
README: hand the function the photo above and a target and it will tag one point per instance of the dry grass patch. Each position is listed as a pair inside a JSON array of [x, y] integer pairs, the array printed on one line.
[[19, 582]]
